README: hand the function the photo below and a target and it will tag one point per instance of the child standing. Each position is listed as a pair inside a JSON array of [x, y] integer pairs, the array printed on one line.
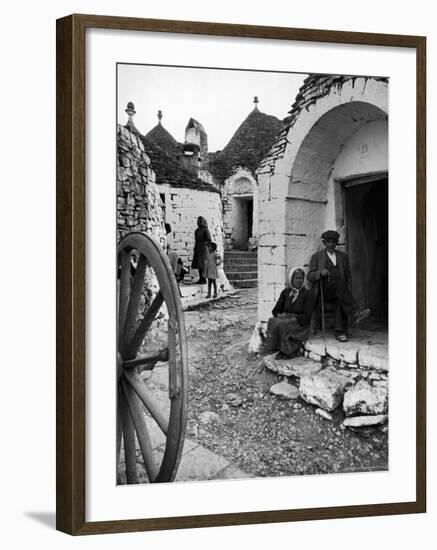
[[213, 260]]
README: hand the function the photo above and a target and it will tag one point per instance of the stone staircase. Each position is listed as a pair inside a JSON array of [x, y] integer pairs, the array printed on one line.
[[241, 268]]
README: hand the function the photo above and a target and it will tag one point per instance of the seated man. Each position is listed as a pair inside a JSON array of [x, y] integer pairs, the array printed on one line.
[[329, 273]]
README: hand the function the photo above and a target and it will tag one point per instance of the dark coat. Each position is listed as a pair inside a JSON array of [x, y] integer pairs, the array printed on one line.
[[319, 262], [201, 237], [301, 307], [290, 324]]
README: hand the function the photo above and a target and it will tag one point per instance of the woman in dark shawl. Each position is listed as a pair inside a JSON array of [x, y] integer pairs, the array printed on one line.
[[202, 236], [290, 325]]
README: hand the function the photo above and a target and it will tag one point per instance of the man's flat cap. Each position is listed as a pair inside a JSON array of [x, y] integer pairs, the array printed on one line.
[[332, 235]]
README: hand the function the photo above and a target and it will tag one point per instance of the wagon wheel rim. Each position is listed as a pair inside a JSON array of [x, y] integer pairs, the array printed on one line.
[[133, 394]]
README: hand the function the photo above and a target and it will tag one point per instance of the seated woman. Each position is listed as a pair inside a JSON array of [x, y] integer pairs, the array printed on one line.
[[290, 325]]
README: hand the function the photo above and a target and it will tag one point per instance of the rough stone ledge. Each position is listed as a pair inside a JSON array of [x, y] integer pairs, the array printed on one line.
[[297, 367]]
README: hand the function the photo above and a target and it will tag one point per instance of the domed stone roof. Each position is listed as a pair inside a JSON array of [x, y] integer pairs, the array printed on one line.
[[248, 145], [163, 138]]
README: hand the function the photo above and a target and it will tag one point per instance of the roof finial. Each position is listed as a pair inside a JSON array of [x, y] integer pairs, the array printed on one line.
[[256, 101], [159, 115], [130, 111]]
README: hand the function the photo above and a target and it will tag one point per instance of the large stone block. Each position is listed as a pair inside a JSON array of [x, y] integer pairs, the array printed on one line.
[[324, 389], [317, 346], [362, 421], [285, 390], [272, 254], [297, 367], [375, 357], [347, 352], [366, 398]]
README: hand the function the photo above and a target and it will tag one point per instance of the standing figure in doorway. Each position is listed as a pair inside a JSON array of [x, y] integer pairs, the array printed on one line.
[[202, 236], [330, 274]]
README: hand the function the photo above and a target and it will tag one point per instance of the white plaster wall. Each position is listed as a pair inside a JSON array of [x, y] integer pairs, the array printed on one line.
[[365, 152], [183, 207], [192, 135], [272, 240]]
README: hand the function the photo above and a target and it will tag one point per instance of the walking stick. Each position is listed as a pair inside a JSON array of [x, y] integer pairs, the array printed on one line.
[[322, 306]]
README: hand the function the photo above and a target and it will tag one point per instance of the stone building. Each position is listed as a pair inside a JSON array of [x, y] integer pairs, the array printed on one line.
[[234, 171], [219, 186], [328, 169], [184, 196]]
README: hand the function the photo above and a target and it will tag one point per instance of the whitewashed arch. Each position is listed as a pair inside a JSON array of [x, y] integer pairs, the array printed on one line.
[[239, 185], [294, 184]]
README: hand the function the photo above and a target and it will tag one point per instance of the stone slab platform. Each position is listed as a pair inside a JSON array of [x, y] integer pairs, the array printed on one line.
[[365, 348]]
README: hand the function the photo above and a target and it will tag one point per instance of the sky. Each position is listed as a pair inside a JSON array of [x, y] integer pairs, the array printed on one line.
[[220, 99]]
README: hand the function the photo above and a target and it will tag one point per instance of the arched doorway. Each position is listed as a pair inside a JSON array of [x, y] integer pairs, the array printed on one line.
[[337, 136], [240, 210]]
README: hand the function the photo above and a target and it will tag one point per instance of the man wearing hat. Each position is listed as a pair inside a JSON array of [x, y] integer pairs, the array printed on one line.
[[329, 272]]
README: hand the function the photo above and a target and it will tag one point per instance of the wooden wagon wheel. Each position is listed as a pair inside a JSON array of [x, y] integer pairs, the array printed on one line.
[[140, 413]]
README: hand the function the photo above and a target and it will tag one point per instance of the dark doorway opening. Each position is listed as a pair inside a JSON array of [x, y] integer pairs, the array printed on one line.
[[242, 221], [366, 212]]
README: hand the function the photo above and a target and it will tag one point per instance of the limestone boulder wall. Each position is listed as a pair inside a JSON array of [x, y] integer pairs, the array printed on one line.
[[324, 389], [366, 398]]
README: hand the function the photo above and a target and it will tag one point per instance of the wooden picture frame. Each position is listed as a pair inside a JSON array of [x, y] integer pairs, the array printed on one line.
[[71, 253]]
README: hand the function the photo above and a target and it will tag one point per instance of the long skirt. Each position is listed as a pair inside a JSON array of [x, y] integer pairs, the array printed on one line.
[[285, 334]]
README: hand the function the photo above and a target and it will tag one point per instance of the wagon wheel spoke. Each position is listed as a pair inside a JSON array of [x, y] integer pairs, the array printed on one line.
[[142, 431], [132, 347], [148, 399], [174, 382], [124, 292], [148, 360], [134, 300], [129, 441], [140, 407]]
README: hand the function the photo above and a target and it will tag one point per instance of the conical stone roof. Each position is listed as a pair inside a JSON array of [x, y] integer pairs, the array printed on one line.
[[164, 140], [248, 145]]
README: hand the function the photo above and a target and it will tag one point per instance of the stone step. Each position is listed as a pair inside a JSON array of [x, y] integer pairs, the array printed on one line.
[[297, 366], [241, 267], [245, 283], [240, 254], [240, 261], [239, 275]]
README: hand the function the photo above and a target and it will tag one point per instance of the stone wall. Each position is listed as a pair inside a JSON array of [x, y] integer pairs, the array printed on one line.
[[139, 207], [183, 207]]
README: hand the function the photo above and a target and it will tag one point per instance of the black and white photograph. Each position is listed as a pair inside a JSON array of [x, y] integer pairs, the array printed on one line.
[[252, 216]]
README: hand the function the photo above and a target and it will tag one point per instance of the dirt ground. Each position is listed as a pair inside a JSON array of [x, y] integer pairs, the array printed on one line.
[[260, 433]]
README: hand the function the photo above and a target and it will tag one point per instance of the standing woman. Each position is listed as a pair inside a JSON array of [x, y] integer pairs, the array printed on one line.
[[202, 236], [290, 325]]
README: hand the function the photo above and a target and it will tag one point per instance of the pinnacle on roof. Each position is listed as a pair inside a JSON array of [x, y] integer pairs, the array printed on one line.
[[163, 138], [248, 145], [256, 101], [130, 111]]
